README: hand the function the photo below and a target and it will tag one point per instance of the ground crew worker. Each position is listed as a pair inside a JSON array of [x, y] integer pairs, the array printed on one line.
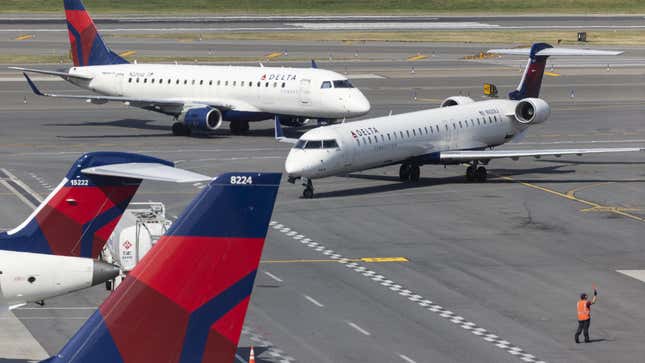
[[584, 315]]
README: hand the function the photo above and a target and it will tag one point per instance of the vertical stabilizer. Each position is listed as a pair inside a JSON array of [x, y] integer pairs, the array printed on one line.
[[532, 78], [187, 299]]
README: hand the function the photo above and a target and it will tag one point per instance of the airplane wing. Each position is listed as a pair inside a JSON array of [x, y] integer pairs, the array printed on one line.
[[484, 155], [148, 171], [153, 104], [64, 75]]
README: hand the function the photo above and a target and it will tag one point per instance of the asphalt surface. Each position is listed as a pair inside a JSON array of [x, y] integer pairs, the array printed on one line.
[[494, 269]]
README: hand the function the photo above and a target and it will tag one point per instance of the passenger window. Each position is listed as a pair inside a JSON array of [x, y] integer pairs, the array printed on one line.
[[388, 137], [382, 138], [326, 84], [169, 80], [330, 144], [421, 132], [369, 139], [401, 134], [460, 125], [259, 84], [250, 84], [426, 127], [283, 84], [210, 83], [358, 141], [193, 82], [407, 132], [241, 83], [234, 83], [275, 84], [201, 83], [185, 81], [495, 118], [266, 84], [313, 144], [226, 83], [219, 82], [145, 80], [414, 133]]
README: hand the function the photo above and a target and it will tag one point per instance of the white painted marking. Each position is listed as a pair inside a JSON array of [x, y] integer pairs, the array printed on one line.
[[406, 358], [314, 301], [17, 194], [358, 328], [237, 356], [273, 276], [636, 274], [61, 308]]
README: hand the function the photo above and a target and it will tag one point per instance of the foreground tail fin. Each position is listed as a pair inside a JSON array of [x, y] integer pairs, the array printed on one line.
[[78, 217], [187, 299], [87, 46], [538, 53]]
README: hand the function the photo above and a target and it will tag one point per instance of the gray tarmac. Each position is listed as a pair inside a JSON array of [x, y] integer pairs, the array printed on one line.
[[493, 270]]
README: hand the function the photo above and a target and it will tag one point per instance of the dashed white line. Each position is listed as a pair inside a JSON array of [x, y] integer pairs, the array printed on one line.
[[406, 358], [358, 328], [314, 301], [273, 276], [239, 358], [411, 296]]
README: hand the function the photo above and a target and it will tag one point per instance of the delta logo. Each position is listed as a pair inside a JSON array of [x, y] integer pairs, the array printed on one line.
[[278, 77]]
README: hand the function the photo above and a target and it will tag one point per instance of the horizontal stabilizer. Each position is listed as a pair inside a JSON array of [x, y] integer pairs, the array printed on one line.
[[64, 75], [147, 171], [554, 51]]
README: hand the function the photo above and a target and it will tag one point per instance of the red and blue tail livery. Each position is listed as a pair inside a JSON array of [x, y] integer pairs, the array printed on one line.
[[187, 299], [78, 217], [533, 74], [87, 46]]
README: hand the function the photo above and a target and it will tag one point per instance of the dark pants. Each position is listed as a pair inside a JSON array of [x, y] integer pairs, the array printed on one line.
[[583, 326]]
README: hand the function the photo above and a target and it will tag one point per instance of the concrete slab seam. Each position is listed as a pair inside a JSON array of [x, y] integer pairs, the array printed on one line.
[[483, 333]]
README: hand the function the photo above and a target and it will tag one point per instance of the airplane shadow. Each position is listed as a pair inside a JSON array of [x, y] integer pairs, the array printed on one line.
[[15, 360], [459, 179]]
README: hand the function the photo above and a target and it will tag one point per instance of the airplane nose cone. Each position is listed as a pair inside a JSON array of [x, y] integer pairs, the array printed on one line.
[[292, 167], [103, 271], [360, 104]]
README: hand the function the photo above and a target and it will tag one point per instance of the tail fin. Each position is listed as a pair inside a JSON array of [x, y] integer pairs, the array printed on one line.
[[77, 218], [532, 78], [87, 46], [538, 53], [187, 299]]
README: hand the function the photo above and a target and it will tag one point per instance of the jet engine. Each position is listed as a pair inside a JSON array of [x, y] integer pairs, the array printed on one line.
[[532, 111], [202, 118], [456, 100]]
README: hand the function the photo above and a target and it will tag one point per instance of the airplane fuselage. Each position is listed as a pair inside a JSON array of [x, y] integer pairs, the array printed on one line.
[[417, 137], [305, 92]]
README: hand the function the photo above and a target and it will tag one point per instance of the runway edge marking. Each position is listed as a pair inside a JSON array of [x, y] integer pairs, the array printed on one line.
[[484, 334]]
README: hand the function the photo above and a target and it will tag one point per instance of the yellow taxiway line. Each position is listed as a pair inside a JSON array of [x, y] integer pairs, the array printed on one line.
[[571, 196], [273, 55], [362, 259], [417, 57], [25, 37], [128, 53], [552, 74]]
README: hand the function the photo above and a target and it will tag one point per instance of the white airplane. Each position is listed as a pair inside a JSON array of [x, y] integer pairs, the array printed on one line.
[[201, 97], [53, 252], [460, 131]]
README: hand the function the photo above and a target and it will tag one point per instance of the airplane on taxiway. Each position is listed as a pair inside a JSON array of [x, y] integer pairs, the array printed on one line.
[[201, 97], [460, 131], [187, 299], [53, 252]]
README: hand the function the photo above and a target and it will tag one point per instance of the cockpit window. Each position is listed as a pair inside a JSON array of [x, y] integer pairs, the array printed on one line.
[[311, 144], [326, 84], [343, 84], [330, 144], [300, 144]]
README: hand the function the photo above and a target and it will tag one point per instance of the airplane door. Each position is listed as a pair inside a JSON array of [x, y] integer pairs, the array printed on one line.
[[305, 91], [119, 84]]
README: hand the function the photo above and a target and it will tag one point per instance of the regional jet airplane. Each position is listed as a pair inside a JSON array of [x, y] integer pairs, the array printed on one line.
[[201, 97], [187, 299], [460, 131], [53, 252]]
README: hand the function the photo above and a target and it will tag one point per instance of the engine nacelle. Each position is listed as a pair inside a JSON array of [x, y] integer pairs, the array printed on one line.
[[456, 100], [202, 118], [532, 111]]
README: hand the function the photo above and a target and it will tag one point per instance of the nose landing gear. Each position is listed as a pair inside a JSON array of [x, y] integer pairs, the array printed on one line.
[[409, 172], [476, 174], [308, 193]]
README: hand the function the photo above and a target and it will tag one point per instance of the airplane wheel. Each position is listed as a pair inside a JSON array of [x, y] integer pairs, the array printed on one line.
[[179, 129], [308, 193], [481, 174], [404, 172], [470, 173], [415, 173]]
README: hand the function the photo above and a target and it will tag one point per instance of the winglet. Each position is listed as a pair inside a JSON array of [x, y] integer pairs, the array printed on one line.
[[313, 64], [33, 85], [279, 134]]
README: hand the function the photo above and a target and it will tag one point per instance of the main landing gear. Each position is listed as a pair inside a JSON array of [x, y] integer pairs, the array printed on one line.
[[409, 172], [476, 174], [179, 129], [239, 127]]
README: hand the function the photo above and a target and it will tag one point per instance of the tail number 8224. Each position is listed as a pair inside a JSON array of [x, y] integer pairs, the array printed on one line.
[[241, 179]]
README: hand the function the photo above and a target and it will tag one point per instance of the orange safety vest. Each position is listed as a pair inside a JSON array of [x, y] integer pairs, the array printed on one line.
[[584, 313]]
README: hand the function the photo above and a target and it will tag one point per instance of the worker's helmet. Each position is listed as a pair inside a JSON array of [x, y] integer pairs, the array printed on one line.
[[583, 296]]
